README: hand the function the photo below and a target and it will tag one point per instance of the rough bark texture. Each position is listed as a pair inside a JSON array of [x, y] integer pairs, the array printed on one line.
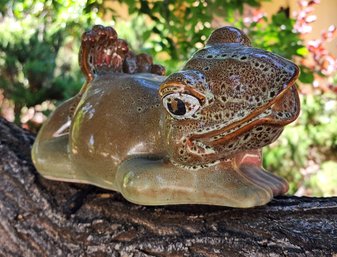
[[48, 218]]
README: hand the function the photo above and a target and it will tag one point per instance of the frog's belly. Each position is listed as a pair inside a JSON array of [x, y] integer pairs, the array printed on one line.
[[112, 123]]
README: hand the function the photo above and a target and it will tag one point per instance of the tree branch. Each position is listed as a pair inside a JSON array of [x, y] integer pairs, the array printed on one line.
[[48, 218]]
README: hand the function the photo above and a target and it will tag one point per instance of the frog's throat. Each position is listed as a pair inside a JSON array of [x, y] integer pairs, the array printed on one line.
[[249, 157]]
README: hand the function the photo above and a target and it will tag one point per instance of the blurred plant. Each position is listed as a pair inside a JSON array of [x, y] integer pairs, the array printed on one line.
[[319, 62], [36, 45], [176, 29], [324, 182]]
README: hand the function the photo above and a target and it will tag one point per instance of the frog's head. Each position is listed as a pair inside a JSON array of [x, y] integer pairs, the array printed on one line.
[[228, 97]]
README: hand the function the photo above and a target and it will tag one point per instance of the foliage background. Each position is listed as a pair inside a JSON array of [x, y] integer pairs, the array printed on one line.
[[38, 65]]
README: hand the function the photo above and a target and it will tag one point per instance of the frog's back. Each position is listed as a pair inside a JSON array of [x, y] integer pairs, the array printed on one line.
[[117, 116]]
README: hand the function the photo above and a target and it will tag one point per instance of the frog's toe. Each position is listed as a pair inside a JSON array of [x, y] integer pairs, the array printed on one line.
[[264, 179]]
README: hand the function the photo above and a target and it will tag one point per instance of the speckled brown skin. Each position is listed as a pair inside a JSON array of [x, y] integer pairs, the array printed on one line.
[[196, 142]]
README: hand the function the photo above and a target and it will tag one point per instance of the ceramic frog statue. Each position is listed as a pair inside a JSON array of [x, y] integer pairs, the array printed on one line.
[[194, 137]]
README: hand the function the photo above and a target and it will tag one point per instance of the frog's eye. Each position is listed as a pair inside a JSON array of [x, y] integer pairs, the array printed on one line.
[[181, 106]]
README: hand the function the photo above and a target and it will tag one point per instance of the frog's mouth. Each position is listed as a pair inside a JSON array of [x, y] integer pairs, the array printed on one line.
[[272, 113]]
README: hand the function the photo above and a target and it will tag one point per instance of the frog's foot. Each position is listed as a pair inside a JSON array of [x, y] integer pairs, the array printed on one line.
[[157, 182], [265, 179], [250, 166]]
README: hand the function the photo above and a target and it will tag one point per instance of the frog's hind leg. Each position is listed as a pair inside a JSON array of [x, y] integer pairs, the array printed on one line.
[[50, 152], [158, 182], [51, 159]]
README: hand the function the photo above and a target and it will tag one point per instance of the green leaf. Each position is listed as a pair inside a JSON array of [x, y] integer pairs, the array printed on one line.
[[303, 51]]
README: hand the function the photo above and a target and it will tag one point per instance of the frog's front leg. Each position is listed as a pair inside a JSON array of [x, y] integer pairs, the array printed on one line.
[[150, 181]]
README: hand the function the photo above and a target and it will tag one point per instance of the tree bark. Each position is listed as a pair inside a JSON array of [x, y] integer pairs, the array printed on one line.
[[48, 218]]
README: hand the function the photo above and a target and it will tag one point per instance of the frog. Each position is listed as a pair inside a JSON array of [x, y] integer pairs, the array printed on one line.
[[193, 137]]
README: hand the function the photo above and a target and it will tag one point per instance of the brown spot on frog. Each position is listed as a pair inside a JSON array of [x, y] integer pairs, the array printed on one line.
[[196, 142]]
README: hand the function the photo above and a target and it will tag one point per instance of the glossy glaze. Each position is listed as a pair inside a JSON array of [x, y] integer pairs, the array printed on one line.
[[193, 137]]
